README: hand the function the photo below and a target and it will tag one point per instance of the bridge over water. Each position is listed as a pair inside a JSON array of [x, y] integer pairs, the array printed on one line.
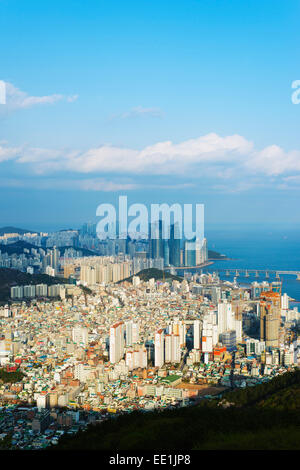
[[243, 272], [258, 272]]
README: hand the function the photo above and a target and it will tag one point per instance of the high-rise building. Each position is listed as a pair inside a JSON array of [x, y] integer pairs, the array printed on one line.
[[189, 253], [29, 291], [228, 339], [166, 252], [57, 290], [80, 335], [136, 358], [201, 253], [135, 332], [172, 348], [179, 328], [116, 342], [254, 346], [284, 303], [17, 292], [174, 245], [41, 290], [209, 336], [131, 332], [88, 274], [197, 334], [159, 357], [156, 242], [227, 319], [215, 294], [195, 252], [54, 258], [42, 401], [270, 310]]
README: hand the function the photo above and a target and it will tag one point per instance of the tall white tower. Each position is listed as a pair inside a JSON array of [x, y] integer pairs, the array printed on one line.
[[159, 358], [116, 342]]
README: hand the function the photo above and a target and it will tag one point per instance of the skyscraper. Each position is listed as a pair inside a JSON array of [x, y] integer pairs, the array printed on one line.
[[54, 254], [116, 342], [189, 253], [131, 332], [174, 245], [156, 248], [159, 356], [197, 334], [195, 252], [172, 348], [270, 318]]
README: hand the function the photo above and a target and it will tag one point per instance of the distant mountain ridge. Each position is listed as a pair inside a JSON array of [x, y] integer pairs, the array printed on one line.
[[20, 231]]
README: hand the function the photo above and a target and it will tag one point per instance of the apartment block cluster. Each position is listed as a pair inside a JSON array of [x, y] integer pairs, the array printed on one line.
[[39, 290]]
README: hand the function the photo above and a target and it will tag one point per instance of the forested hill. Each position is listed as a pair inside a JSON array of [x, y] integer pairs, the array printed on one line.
[[263, 417], [153, 273], [16, 248]]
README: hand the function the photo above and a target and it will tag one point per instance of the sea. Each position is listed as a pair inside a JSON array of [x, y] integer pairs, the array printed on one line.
[[259, 249]]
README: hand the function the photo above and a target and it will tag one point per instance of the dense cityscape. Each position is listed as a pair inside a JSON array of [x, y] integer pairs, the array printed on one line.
[[116, 328], [149, 230]]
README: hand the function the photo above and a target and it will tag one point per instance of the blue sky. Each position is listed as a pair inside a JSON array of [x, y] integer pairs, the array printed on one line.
[[182, 101]]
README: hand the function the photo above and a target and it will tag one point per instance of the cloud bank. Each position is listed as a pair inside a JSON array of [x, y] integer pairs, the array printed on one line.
[[17, 99], [229, 163]]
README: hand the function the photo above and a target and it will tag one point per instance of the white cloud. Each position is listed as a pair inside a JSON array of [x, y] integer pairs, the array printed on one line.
[[8, 153], [67, 184], [139, 111], [273, 160], [231, 160], [162, 158], [72, 98], [18, 99], [103, 185]]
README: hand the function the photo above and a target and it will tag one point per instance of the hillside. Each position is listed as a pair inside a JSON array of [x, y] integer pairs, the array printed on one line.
[[10, 377], [16, 248], [84, 251], [214, 255], [20, 231], [157, 274], [261, 417], [13, 277]]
